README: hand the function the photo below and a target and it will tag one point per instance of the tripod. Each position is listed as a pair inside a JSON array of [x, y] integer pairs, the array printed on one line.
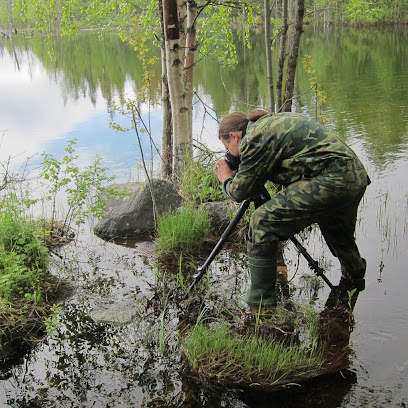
[[230, 228]]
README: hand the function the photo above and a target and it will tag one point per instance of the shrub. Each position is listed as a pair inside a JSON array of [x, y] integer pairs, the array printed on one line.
[[199, 183], [23, 257]]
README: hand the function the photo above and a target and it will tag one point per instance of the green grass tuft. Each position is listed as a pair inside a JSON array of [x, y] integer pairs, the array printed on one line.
[[182, 232], [218, 352]]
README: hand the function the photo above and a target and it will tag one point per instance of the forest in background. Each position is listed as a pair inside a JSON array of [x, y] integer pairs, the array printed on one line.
[[180, 29], [23, 15]]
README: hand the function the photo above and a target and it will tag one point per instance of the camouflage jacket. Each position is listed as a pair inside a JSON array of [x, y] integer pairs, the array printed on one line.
[[284, 148]]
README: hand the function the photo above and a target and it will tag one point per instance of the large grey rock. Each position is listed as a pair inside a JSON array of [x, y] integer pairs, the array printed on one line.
[[220, 213], [132, 216]]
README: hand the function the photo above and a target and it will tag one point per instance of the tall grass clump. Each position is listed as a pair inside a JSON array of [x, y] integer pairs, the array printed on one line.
[[182, 231], [217, 351]]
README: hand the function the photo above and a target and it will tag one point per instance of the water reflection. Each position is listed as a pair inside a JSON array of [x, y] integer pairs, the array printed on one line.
[[86, 363], [362, 73], [44, 107]]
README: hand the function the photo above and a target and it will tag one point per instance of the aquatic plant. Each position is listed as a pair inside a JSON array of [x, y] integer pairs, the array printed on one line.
[[310, 285], [180, 277], [162, 331], [27, 289], [23, 257]]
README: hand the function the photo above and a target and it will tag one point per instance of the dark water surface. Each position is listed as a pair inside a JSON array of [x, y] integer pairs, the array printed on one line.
[[84, 362]]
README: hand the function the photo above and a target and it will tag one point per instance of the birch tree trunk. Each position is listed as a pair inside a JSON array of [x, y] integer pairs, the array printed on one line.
[[191, 46], [182, 21], [167, 124], [293, 56], [269, 55], [166, 108], [290, 10], [182, 141], [281, 62]]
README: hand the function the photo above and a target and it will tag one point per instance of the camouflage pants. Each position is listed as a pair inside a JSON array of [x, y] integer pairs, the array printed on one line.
[[330, 199]]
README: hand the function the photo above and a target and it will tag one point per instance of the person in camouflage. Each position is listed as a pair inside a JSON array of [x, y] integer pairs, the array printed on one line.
[[322, 182]]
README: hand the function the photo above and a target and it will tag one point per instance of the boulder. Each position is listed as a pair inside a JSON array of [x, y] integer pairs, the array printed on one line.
[[131, 216], [220, 213]]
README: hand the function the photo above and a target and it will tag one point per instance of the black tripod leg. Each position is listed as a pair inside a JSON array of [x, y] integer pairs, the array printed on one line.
[[226, 234], [317, 269]]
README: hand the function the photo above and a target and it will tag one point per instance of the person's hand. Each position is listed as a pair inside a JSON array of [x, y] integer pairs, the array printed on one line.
[[222, 170]]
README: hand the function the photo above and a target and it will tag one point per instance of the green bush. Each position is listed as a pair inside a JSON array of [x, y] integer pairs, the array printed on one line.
[[199, 183], [27, 288], [23, 258]]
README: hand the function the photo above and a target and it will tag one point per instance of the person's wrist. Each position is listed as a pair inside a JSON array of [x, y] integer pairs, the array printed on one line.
[[225, 183]]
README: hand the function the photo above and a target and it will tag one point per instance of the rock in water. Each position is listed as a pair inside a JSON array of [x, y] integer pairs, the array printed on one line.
[[132, 216]]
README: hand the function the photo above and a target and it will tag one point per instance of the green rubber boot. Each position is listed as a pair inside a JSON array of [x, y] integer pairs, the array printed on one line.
[[263, 281]]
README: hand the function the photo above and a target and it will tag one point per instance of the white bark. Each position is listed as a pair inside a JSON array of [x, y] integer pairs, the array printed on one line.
[[269, 55], [167, 121], [179, 111], [166, 110], [189, 60], [182, 141]]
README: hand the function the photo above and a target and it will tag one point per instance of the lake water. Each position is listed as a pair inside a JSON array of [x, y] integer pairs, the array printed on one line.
[[364, 75]]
